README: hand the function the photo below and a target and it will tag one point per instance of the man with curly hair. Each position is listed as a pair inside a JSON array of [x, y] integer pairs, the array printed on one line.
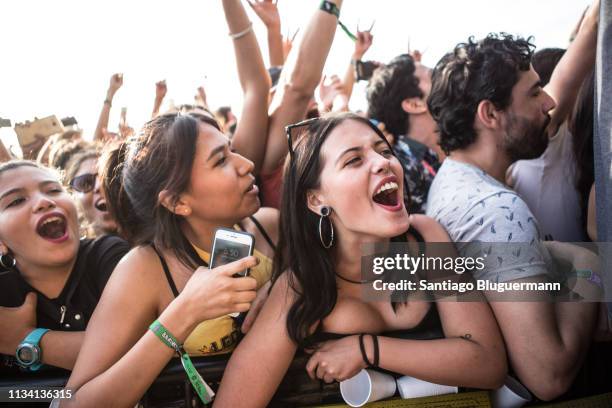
[[397, 96], [491, 111]]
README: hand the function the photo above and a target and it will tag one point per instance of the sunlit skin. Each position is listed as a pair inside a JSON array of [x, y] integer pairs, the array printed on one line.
[[222, 188], [355, 160], [27, 194], [91, 202]]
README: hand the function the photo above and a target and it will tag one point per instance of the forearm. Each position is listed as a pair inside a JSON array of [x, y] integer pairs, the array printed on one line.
[[573, 67], [304, 67], [348, 82], [466, 362], [124, 383], [61, 348], [252, 131], [156, 106], [275, 46], [300, 77], [104, 116]]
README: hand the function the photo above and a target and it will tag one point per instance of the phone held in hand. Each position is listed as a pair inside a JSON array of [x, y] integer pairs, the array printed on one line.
[[229, 246]]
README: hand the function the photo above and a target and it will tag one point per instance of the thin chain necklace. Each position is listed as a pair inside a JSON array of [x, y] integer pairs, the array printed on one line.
[[357, 282]]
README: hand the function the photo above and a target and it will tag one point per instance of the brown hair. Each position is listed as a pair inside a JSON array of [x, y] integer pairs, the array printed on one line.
[[159, 158]]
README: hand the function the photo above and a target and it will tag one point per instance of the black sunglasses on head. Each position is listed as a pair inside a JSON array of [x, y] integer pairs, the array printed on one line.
[[84, 183]]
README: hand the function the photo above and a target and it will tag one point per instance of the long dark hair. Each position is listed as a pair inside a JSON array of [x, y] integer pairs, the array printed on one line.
[[159, 158], [581, 128], [312, 273]]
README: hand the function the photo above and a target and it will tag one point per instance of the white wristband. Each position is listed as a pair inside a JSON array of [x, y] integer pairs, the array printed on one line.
[[242, 33]]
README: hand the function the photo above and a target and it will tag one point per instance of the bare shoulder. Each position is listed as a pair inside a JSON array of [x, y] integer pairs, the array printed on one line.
[[429, 228], [139, 273]]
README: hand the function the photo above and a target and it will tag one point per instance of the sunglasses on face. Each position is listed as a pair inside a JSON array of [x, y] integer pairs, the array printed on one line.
[[84, 183]]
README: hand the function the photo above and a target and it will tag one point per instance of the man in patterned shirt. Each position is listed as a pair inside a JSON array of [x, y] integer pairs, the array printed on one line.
[[492, 111]]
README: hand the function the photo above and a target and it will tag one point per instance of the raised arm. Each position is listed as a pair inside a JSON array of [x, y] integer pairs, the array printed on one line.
[[362, 45], [115, 83], [252, 129], [120, 358], [300, 77], [573, 67], [267, 11], [160, 93]]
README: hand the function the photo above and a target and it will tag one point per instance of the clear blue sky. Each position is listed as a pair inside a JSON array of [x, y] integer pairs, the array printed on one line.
[[58, 55]]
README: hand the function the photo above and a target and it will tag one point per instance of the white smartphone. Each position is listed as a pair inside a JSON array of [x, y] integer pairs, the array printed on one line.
[[229, 246]]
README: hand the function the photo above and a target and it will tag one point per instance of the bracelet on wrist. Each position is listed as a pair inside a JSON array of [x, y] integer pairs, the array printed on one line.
[[108, 102], [236, 36]]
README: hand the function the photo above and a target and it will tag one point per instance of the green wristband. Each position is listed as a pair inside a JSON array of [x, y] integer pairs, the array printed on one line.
[[330, 8], [165, 336], [205, 393]]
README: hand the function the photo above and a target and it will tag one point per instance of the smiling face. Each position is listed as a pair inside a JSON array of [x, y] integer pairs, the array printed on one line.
[[38, 219], [362, 181], [526, 119], [94, 202], [222, 186]]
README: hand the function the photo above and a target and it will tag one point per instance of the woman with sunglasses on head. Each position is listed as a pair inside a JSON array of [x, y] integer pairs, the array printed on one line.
[[82, 174], [343, 188], [50, 279]]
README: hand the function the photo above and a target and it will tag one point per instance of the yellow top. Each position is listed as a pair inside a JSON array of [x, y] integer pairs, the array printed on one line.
[[221, 335]]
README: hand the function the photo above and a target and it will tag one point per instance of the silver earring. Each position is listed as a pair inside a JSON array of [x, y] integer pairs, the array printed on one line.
[[325, 212], [7, 261]]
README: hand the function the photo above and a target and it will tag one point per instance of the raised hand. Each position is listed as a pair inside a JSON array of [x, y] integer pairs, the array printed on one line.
[[329, 90], [160, 89], [116, 81], [16, 323], [211, 293], [267, 11], [200, 97], [362, 44]]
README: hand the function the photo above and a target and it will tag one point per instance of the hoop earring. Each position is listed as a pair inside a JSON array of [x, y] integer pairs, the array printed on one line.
[[325, 212], [7, 265]]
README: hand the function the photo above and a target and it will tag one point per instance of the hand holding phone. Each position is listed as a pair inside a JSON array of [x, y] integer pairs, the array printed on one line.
[[229, 246], [212, 293]]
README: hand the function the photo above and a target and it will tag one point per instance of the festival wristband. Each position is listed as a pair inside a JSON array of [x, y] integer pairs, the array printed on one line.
[[205, 393], [333, 9], [590, 276]]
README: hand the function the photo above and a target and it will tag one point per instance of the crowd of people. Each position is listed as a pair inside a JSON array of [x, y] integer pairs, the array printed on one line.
[[106, 239]]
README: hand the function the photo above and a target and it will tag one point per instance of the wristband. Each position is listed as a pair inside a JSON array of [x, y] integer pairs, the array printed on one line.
[[376, 350], [205, 393], [590, 276], [364, 356], [333, 9], [242, 33], [108, 102]]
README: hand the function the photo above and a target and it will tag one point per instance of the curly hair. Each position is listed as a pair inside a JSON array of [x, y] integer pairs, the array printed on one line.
[[473, 72], [389, 87]]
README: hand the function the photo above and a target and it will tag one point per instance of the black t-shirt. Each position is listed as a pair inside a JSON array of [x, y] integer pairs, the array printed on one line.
[[72, 309]]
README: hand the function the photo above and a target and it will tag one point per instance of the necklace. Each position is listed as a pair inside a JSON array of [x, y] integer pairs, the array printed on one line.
[[357, 282]]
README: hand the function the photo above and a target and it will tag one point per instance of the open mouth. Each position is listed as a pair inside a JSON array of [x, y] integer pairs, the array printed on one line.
[[101, 205], [52, 227], [387, 194], [252, 188]]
